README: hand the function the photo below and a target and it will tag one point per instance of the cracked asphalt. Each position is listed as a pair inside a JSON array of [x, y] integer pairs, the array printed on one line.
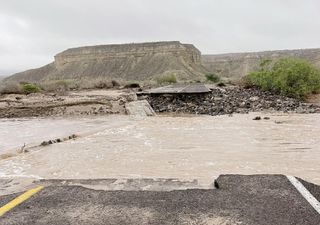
[[236, 199]]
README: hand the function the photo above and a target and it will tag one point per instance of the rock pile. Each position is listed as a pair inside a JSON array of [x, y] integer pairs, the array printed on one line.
[[58, 140], [227, 101]]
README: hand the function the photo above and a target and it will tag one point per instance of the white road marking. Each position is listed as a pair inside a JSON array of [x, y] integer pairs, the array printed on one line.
[[305, 193]]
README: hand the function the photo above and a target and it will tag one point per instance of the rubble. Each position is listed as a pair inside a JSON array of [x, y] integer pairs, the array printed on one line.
[[227, 101]]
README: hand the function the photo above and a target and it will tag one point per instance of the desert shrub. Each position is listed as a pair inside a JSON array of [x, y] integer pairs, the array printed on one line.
[[102, 84], [288, 76], [132, 85], [212, 78], [115, 83], [55, 85], [62, 84], [98, 83], [83, 83], [30, 88], [167, 79], [77, 84], [11, 88], [221, 84]]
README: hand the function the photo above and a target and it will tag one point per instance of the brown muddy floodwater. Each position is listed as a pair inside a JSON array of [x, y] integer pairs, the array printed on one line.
[[199, 147]]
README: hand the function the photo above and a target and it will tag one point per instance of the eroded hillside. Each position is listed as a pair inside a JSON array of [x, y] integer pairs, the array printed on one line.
[[150, 61], [145, 61], [237, 65]]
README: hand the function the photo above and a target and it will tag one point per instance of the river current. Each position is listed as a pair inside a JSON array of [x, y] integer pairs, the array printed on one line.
[[193, 147]]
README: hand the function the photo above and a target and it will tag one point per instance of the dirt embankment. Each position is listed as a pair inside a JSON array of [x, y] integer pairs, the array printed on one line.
[[219, 101], [227, 101], [92, 102]]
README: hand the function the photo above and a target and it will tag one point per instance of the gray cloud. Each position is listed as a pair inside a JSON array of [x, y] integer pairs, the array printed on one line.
[[33, 31]]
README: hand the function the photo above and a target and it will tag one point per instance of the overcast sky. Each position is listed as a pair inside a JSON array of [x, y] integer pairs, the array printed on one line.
[[33, 31]]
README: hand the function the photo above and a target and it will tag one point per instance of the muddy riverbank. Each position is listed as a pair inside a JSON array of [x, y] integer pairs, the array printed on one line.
[[218, 101], [77, 103]]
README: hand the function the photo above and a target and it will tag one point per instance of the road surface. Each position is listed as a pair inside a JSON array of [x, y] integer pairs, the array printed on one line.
[[232, 199]]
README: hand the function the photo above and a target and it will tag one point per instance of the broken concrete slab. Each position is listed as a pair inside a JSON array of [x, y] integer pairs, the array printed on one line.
[[178, 89], [245, 200], [16, 185], [139, 108]]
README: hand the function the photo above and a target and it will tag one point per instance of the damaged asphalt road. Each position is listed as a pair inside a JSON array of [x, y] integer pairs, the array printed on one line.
[[237, 199]]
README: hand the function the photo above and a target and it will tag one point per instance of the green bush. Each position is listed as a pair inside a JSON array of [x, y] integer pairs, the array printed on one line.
[[167, 79], [289, 77], [213, 78], [30, 88]]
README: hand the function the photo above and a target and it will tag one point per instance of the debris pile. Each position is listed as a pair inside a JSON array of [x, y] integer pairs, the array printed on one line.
[[227, 101], [58, 140]]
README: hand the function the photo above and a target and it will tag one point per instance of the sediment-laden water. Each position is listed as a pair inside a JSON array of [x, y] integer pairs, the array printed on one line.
[[14, 133], [199, 147]]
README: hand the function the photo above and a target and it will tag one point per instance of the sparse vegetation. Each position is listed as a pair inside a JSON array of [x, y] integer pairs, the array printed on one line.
[[81, 84], [212, 78], [167, 79], [30, 88], [115, 83], [221, 84], [132, 85], [288, 76], [103, 84], [19, 88], [57, 85], [10, 88]]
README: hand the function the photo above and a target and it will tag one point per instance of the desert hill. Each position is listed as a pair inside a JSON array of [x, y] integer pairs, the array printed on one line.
[[144, 61], [148, 61], [236, 65]]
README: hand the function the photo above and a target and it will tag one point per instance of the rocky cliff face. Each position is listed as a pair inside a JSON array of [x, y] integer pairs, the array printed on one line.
[[237, 65], [143, 61]]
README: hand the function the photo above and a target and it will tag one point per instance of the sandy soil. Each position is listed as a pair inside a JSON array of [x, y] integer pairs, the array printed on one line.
[[315, 99], [93, 102]]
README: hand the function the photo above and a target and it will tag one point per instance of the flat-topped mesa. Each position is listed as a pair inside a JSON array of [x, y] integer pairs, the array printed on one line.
[[137, 61], [109, 52], [150, 61]]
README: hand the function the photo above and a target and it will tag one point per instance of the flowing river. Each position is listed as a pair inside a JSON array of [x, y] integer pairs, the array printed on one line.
[[193, 147]]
